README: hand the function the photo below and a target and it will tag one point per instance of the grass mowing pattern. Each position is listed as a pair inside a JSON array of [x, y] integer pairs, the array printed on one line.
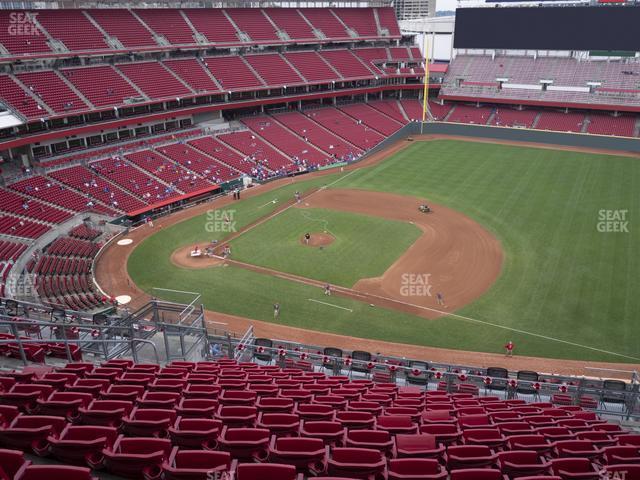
[[276, 244], [561, 278]]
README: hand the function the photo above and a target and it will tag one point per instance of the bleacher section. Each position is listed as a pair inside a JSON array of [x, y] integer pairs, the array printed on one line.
[[346, 127], [568, 81], [202, 164], [250, 420], [259, 151], [123, 25], [508, 117], [154, 80], [561, 121], [21, 205], [273, 69], [9, 253], [372, 118]]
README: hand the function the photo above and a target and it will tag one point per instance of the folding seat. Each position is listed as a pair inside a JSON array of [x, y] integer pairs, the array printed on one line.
[[474, 421], [246, 444], [172, 373], [626, 439], [81, 444], [93, 386], [128, 393], [360, 406], [287, 383], [238, 397], [195, 432], [237, 415], [56, 472], [108, 413], [201, 378], [298, 395], [158, 400], [197, 408], [521, 463], [462, 411], [469, 456], [265, 390], [598, 438], [308, 455], [6, 383], [31, 432], [142, 379], [437, 416], [490, 437], [7, 414], [167, 385], [106, 373], [12, 464], [510, 429], [523, 409], [574, 468], [538, 421], [184, 365], [337, 402], [412, 412], [627, 454], [197, 465], [554, 434], [357, 462], [356, 420], [421, 445], [59, 381], [316, 389], [587, 416], [331, 433], [136, 457], [537, 443], [477, 474], [232, 384], [120, 363], [201, 391], [418, 403], [446, 434], [346, 393], [504, 416], [79, 368], [602, 426], [148, 422], [25, 396], [279, 424], [267, 471], [576, 448], [63, 404], [380, 398], [395, 424]]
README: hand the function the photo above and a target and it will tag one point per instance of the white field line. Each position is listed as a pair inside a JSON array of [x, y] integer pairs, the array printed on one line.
[[330, 305]]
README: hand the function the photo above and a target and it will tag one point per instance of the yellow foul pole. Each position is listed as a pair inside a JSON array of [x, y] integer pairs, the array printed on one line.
[[425, 94]]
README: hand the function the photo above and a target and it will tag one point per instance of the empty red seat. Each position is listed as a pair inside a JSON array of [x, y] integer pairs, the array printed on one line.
[[64, 404], [31, 432], [308, 455], [93, 386], [356, 462], [576, 448], [520, 463], [129, 393], [338, 403], [514, 428], [273, 404], [148, 422], [267, 471], [201, 391], [530, 442], [167, 385], [238, 397], [158, 400], [237, 415], [446, 434], [136, 457], [12, 464], [626, 454], [56, 472], [554, 434], [421, 445], [7, 414], [196, 465], [108, 413], [25, 396], [627, 439], [79, 444], [197, 407], [355, 420], [415, 469], [574, 469], [474, 421], [279, 424], [195, 432], [245, 443], [360, 406], [314, 412], [331, 433], [470, 456], [374, 439], [484, 436]]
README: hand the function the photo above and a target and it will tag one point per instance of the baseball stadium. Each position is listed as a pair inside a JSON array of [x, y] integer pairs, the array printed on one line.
[[332, 240]]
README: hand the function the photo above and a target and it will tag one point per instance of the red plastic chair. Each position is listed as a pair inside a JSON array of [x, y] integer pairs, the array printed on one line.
[[279, 424], [238, 397], [197, 465], [167, 385], [360, 406], [201, 391], [520, 463], [625, 454], [148, 422], [418, 445], [237, 416], [58, 380], [490, 437], [447, 434], [357, 462], [246, 444], [477, 474], [12, 464], [574, 469], [331, 433], [25, 396], [415, 469], [356, 420], [127, 393], [576, 448], [308, 455], [470, 456], [374, 439], [136, 457], [474, 421], [195, 433], [108, 413], [197, 408], [395, 424], [530, 442], [267, 471], [56, 472], [7, 414], [31, 432], [82, 444], [338, 403], [275, 404], [63, 404], [93, 386], [315, 412]]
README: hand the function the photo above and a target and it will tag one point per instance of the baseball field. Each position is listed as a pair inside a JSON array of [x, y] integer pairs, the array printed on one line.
[[534, 245]]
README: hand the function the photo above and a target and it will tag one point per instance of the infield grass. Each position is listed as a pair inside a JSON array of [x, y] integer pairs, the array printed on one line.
[[561, 277]]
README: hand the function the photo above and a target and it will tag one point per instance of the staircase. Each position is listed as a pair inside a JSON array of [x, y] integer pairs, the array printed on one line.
[[74, 89], [36, 98]]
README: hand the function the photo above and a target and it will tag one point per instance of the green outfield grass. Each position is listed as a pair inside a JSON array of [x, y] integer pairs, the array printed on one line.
[[276, 244], [561, 277]]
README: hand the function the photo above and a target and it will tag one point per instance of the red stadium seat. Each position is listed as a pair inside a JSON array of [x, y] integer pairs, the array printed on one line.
[[12, 464], [356, 462], [270, 471], [470, 456], [476, 474], [331, 433], [136, 457], [522, 463], [82, 444], [196, 465], [574, 469], [148, 422], [195, 432], [237, 416], [418, 446], [31, 432], [56, 472], [197, 407], [64, 404], [373, 439], [308, 455], [246, 444], [108, 413], [279, 424], [415, 469]]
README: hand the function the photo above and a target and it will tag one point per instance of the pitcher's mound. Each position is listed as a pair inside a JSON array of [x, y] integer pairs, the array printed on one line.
[[318, 240]]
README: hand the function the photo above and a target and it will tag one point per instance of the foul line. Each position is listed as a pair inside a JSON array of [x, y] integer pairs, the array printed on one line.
[[330, 305]]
